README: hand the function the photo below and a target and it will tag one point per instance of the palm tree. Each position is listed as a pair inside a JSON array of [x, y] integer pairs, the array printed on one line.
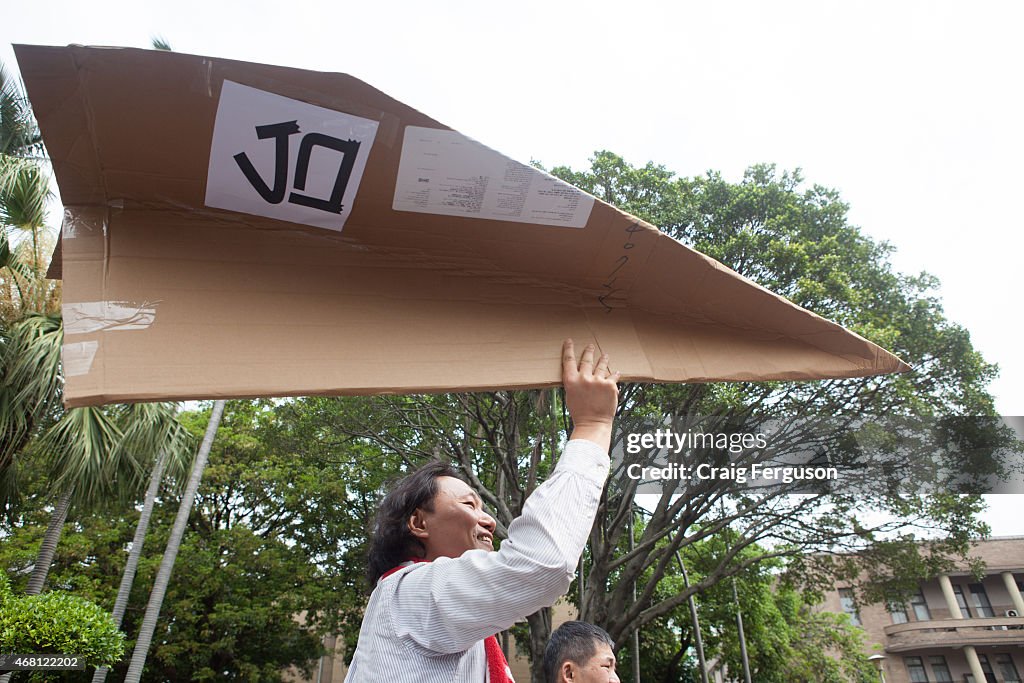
[[28, 330], [163, 576], [97, 455], [85, 438], [93, 450], [151, 431]]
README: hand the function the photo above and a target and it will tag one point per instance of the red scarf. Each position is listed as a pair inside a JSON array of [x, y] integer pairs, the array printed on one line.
[[497, 666]]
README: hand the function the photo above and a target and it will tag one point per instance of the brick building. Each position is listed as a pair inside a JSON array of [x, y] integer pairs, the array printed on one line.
[[956, 628]]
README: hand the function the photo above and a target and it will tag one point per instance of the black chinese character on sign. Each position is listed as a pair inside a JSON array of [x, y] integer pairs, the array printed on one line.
[[282, 132]]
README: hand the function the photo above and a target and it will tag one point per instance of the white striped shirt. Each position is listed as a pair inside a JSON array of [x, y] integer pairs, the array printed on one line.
[[426, 623]]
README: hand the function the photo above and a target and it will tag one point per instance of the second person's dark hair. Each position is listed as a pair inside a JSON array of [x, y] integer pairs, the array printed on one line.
[[573, 641]]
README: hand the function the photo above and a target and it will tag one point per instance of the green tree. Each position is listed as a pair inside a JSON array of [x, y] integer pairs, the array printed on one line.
[[796, 241], [788, 639], [269, 540], [29, 399]]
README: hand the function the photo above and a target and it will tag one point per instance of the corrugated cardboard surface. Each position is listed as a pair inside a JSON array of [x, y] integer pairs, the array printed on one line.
[[166, 298]]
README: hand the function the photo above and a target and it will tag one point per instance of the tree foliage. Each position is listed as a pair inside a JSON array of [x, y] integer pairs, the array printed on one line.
[[57, 623], [788, 639], [265, 566], [794, 240]]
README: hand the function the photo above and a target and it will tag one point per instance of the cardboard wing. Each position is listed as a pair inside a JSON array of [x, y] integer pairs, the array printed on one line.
[[240, 230]]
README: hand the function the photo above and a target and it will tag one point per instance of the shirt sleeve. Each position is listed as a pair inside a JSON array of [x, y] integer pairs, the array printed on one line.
[[447, 605]]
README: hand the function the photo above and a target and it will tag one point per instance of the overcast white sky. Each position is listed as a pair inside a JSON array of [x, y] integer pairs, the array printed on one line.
[[912, 109]]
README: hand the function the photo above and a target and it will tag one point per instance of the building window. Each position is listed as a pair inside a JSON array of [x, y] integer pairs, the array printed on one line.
[[849, 605], [962, 601], [980, 599], [920, 606], [986, 668], [940, 669], [899, 612], [915, 667], [1007, 669]]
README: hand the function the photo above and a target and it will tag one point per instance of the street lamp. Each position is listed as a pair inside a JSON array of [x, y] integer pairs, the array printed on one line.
[[877, 661]]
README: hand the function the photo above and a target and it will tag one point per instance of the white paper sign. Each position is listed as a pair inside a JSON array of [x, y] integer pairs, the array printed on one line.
[[281, 158], [444, 172]]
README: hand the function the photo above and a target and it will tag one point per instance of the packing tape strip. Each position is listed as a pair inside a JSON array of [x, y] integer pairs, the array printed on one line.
[[77, 357], [80, 221], [107, 316]]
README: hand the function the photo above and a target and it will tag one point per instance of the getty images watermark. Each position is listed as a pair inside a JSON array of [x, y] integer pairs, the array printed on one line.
[[864, 456], [666, 441]]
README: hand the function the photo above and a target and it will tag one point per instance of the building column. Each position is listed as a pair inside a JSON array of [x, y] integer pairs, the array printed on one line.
[[970, 654], [1015, 596], [325, 674], [951, 603], [972, 661]]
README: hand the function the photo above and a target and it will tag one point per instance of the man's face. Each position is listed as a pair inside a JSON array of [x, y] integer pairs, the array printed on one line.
[[457, 523], [598, 669]]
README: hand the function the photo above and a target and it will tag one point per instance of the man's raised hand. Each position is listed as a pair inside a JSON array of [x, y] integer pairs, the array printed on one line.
[[591, 394]]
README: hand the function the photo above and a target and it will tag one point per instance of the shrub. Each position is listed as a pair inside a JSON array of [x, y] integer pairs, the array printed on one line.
[[57, 623]]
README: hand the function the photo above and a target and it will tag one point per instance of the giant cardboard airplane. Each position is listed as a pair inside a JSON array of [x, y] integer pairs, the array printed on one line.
[[239, 230]]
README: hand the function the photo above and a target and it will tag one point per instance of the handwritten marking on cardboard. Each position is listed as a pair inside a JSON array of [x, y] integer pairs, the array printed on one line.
[[444, 172], [614, 297], [280, 158]]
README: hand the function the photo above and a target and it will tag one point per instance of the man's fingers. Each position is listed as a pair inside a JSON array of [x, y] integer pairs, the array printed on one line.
[[568, 359], [572, 368], [587, 361]]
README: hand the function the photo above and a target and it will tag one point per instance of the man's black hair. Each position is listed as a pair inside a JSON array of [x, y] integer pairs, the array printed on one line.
[[573, 641], [392, 542]]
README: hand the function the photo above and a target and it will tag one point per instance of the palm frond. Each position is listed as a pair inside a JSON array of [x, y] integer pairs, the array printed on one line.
[[152, 428], [24, 192], [19, 135], [30, 380], [10, 491], [80, 448], [33, 366], [24, 288]]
